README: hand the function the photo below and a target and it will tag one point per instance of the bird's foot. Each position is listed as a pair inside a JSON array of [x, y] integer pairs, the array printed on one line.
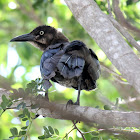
[[46, 98], [70, 102]]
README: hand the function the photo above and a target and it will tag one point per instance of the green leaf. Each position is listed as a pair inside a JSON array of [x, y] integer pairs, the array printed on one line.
[[47, 136], [3, 105], [47, 133], [107, 107], [97, 106], [25, 127], [20, 133], [31, 85], [10, 103], [41, 137], [24, 105], [38, 80], [23, 132], [19, 106], [4, 99], [56, 131], [14, 131], [46, 130], [24, 119], [21, 115], [26, 112], [5, 102], [70, 138], [27, 123], [51, 130], [12, 137]]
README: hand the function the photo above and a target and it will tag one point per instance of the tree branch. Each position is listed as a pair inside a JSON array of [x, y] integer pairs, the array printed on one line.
[[109, 8], [122, 20], [126, 134], [96, 23], [105, 118], [130, 39], [79, 131]]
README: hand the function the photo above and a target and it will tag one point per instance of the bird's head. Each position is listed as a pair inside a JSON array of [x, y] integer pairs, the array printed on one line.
[[41, 37]]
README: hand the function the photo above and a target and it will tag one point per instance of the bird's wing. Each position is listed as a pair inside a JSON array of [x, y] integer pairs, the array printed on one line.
[[77, 61], [94, 66], [72, 62], [49, 61], [91, 71]]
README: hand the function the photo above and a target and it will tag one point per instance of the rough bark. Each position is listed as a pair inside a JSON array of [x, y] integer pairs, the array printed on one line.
[[100, 28], [122, 30], [105, 118]]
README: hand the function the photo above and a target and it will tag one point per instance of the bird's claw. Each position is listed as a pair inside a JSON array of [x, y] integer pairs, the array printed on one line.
[[70, 102], [46, 98]]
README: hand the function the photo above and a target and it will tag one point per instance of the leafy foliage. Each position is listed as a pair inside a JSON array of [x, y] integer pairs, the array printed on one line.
[[19, 64]]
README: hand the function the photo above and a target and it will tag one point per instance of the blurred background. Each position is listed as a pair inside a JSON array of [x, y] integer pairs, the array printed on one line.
[[19, 62]]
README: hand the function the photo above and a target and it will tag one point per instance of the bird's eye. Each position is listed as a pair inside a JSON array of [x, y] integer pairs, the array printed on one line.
[[41, 32]]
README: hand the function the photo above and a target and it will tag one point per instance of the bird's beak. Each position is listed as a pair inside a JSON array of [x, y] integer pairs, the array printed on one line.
[[25, 37]]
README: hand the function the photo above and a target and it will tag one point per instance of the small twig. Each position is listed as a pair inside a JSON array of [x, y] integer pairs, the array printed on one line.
[[89, 132], [29, 128], [116, 76], [125, 133], [110, 71], [68, 133], [9, 108], [79, 131], [109, 8], [15, 107], [2, 112]]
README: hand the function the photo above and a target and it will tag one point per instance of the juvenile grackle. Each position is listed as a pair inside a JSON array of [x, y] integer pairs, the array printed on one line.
[[70, 64]]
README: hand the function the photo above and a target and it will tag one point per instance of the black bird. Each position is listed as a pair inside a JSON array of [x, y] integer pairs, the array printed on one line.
[[70, 64]]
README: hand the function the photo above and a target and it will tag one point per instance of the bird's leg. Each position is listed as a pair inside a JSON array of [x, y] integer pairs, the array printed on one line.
[[70, 102], [46, 95], [79, 89], [78, 98]]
